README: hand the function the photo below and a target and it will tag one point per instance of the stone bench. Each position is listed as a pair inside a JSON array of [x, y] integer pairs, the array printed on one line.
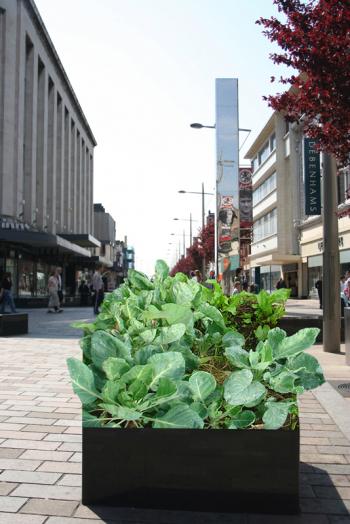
[[13, 324]]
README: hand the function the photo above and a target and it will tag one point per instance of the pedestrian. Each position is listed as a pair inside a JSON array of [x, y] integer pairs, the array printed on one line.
[[193, 276], [198, 275], [84, 293], [54, 301], [6, 294], [342, 284], [59, 281], [281, 284], [97, 287], [236, 287], [318, 286], [212, 275]]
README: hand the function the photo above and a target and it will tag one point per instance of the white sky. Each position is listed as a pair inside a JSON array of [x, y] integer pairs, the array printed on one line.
[[143, 70]]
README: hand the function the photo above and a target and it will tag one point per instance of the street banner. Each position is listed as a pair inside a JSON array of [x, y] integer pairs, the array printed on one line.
[[312, 176]]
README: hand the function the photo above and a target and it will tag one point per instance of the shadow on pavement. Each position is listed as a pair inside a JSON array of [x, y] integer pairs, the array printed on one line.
[[320, 503]]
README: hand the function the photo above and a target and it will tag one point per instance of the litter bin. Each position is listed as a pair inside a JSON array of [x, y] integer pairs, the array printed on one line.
[[347, 334]]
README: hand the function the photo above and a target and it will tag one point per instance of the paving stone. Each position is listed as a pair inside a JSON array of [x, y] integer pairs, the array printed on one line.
[[333, 492], [70, 446], [31, 420], [59, 508], [11, 504], [314, 440], [19, 464], [46, 455], [7, 487], [11, 427], [21, 435], [69, 520], [76, 457], [61, 467], [63, 438], [327, 506], [36, 477], [343, 450], [46, 429], [68, 480], [322, 458], [29, 444], [11, 518], [48, 492], [287, 519], [10, 453]]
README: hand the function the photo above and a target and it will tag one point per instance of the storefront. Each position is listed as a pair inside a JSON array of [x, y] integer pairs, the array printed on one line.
[[269, 276], [314, 269], [30, 256]]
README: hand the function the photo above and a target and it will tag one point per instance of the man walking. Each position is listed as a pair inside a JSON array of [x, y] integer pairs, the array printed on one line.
[[59, 285], [97, 287]]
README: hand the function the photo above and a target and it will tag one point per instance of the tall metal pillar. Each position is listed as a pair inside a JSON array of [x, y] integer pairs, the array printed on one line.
[[227, 180]]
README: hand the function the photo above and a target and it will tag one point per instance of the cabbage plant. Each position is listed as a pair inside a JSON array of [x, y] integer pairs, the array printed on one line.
[[161, 355]]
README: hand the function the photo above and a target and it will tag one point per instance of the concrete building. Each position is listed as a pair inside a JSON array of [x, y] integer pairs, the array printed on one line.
[[46, 158], [275, 158], [285, 240]]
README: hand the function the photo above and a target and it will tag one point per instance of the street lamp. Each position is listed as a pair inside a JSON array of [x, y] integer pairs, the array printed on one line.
[[190, 220], [197, 126]]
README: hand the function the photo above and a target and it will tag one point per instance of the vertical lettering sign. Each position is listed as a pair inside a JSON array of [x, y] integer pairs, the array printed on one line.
[[312, 172]]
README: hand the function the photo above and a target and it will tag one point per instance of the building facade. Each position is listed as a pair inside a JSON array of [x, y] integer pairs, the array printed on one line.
[[285, 240], [46, 158], [275, 163]]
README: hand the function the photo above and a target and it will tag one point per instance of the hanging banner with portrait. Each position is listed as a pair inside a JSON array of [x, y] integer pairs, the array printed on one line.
[[245, 212]]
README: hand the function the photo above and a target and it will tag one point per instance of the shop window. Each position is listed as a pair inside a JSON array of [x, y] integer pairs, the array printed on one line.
[[11, 267], [25, 278], [42, 276]]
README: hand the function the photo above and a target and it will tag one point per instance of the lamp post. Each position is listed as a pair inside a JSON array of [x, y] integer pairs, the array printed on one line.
[[183, 235], [197, 126], [190, 220]]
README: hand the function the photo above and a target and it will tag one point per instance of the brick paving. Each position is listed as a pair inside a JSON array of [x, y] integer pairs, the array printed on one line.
[[40, 443]]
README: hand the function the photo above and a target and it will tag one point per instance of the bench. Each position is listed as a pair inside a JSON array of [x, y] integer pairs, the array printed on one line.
[[13, 324]]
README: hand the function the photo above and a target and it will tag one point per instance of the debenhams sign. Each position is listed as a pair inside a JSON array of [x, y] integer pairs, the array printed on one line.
[[312, 174]]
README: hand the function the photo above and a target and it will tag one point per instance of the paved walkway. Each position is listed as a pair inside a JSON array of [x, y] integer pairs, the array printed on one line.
[[40, 442]]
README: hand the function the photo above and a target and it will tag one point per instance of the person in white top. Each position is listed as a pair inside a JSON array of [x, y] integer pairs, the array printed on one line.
[[98, 288]]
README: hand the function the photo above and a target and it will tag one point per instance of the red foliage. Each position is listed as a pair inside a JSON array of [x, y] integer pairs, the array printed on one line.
[[194, 259], [315, 40]]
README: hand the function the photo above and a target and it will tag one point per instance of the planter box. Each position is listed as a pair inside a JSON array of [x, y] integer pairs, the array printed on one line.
[[13, 324], [199, 470]]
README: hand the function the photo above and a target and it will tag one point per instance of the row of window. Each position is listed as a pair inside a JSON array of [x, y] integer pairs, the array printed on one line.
[[265, 226], [264, 189], [264, 152]]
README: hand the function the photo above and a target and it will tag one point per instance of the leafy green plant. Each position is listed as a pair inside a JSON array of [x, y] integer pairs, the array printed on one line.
[[161, 355], [250, 314]]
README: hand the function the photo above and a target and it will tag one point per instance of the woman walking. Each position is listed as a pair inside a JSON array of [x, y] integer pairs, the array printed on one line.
[[6, 294], [54, 302]]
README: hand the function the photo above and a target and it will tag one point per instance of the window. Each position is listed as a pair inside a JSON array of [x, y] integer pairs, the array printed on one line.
[[264, 152], [272, 142], [265, 189], [265, 226]]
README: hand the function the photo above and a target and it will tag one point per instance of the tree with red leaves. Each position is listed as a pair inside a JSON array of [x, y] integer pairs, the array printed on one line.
[[315, 39]]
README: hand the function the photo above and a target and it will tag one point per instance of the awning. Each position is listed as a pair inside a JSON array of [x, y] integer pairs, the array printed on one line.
[[82, 239], [39, 239]]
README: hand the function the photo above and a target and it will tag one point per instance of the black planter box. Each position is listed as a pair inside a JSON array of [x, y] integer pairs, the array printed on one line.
[[13, 324], [199, 470]]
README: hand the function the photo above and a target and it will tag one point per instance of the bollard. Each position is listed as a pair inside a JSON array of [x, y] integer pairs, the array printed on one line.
[[347, 334]]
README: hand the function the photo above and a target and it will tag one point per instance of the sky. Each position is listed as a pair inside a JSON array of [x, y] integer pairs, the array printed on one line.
[[143, 70]]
